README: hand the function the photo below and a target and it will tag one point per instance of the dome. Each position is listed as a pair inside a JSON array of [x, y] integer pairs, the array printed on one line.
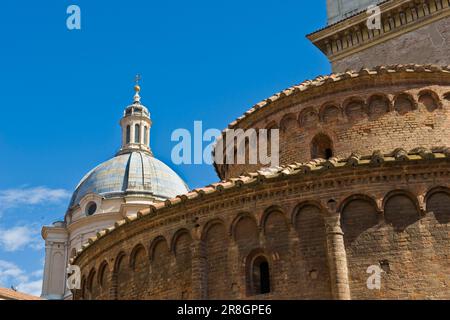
[[135, 173]]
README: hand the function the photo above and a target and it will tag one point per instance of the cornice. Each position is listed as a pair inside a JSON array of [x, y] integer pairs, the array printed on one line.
[[352, 35]]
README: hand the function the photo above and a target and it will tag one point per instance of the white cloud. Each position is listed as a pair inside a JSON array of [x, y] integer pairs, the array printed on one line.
[[9, 270], [33, 287], [12, 275], [24, 236], [20, 237], [38, 273], [29, 196]]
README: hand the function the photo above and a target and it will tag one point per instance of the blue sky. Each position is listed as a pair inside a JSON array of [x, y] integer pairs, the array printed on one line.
[[63, 92]]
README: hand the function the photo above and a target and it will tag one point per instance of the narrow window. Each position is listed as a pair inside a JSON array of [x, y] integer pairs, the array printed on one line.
[[264, 277], [128, 134], [137, 134], [261, 276], [145, 135], [321, 147]]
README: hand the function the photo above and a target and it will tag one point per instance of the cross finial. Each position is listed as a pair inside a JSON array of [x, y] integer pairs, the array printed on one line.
[[137, 78]]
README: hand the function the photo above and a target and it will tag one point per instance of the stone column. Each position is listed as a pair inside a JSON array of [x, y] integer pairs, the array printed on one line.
[[198, 270], [337, 258]]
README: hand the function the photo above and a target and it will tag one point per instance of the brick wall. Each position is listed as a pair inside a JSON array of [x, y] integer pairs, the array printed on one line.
[[395, 215], [362, 118]]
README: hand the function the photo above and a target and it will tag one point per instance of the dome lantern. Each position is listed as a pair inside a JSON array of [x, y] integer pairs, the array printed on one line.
[[136, 124]]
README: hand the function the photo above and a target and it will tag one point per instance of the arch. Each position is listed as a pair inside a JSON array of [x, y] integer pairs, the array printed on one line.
[[268, 211], [272, 125], [404, 103], [355, 109], [434, 190], [308, 117], [404, 192], [237, 219], [401, 209], [258, 273], [182, 273], [216, 244], [162, 267], [321, 147], [429, 99], [288, 122], [330, 113], [358, 196], [181, 235], [311, 250], [209, 225], [378, 104], [245, 232], [139, 267], [83, 288], [137, 133], [120, 277], [276, 230], [438, 201], [118, 261], [155, 243], [137, 250], [303, 204], [309, 224], [102, 276], [176, 236], [359, 214], [92, 285]]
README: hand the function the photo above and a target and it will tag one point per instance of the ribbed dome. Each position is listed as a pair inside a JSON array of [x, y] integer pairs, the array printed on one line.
[[131, 173]]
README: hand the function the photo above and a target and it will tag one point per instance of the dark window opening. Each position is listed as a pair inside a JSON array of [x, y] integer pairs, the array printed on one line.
[[264, 278], [128, 134], [321, 147], [384, 264], [261, 276], [91, 208], [137, 134]]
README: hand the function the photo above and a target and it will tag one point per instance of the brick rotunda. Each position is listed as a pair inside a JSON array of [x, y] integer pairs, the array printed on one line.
[[364, 180]]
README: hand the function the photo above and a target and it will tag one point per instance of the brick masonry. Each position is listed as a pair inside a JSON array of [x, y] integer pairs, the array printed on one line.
[[360, 114], [319, 233]]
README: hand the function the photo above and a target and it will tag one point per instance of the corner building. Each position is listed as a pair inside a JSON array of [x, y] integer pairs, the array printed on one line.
[[364, 181]]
